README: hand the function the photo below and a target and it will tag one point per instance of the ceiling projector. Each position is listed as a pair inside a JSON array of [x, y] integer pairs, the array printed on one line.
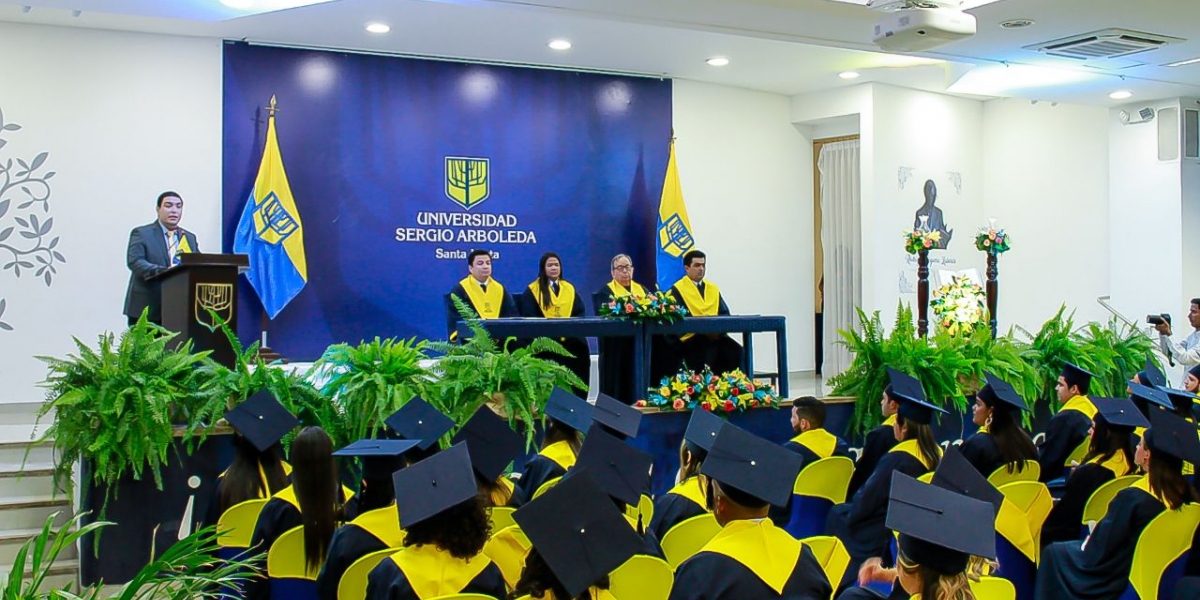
[[916, 25]]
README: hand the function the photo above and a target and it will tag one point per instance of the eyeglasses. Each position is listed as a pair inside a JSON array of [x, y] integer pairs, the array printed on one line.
[[623, 268]]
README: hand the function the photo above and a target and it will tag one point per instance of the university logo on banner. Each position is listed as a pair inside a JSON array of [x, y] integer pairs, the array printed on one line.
[[674, 238], [272, 221], [468, 181]]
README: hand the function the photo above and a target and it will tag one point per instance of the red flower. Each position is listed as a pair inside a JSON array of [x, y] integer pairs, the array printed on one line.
[[695, 379], [640, 403], [691, 390], [628, 308], [733, 390], [729, 406], [750, 387], [678, 404], [753, 402], [706, 406]]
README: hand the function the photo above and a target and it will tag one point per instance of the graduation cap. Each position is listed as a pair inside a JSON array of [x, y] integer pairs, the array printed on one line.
[[433, 485], [753, 466], [1173, 435], [619, 469], [578, 532], [617, 416], [1151, 375], [1180, 399], [955, 473], [262, 420], [491, 443], [419, 420], [999, 394], [1120, 412], [908, 392], [380, 458], [569, 409], [702, 429], [938, 528], [1150, 395], [1194, 371], [1077, 376]]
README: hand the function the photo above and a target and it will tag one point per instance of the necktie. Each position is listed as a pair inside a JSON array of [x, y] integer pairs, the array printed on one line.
[[700, 288], [173, 246], [554, 287], [483, 286]]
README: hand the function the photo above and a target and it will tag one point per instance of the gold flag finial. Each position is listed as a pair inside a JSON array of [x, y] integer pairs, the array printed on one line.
[[271, 110]]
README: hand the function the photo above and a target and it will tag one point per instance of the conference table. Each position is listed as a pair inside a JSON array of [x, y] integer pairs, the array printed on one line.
[[643, 332]]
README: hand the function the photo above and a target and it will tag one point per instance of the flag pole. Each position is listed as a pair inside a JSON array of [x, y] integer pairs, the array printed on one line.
[[264, 351]]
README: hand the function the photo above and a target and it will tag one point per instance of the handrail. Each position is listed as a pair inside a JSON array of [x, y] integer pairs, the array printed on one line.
[[1103, 301]]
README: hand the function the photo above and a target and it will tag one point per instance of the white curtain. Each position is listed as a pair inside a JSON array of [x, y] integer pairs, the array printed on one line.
[[841, 238]]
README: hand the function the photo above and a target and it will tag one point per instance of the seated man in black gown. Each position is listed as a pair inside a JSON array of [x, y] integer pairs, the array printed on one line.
[[703, 299], [485, 295]]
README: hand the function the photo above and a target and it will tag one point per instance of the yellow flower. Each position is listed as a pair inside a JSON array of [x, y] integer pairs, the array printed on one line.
[[679, 386], [665, 391], [936, 236]]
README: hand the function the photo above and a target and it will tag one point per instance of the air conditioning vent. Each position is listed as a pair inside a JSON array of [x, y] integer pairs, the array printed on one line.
[[1108, 43]]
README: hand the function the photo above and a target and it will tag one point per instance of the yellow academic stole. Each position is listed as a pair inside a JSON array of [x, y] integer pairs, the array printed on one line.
[[911, 448], [768, 551], [383, 523], [1082, 404], [184, 246], [619, 291], [560, 453], [488, 303], [1144, 485], [1117, 464], [697, 305], [288, 494], [690, 488], [560, 303], [821, 442], [432, 572]]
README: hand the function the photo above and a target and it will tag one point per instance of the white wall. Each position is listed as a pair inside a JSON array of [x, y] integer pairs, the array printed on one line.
[[123, 116], [748, 191]]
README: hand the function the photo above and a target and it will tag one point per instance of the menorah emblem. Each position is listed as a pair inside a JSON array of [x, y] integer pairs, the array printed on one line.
[[272, 221], [467, 181], [674, 237], [217, 297]]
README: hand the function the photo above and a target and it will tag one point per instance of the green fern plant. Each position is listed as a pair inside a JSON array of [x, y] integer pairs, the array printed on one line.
[[1054, 344], [510, 377], [1118, 352]]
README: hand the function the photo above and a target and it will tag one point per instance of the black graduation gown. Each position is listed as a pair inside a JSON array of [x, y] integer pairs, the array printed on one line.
[[671, 509], [388, 582], [878, 443], [782, 514], [376, 530], [1101, 571], [276, 518], [1065, 521], [720, 353], [713, 576], [508, 307], [860, 522], [1067, 430], [981, 451], [616, 359], [580, 363], [1188, 588], [537, 471]]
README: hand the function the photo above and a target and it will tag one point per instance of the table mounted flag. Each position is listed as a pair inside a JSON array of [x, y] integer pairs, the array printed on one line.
[[271, 233], [674, 229]]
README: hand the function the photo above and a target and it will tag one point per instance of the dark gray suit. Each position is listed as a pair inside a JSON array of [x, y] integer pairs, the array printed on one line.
[[146, 257]]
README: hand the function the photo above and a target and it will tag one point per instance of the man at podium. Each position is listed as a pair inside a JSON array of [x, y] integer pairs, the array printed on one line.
[[152, 249], [703, 299], [484, 294]]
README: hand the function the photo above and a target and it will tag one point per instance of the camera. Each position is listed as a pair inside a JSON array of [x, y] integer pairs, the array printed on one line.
[[1164, 318]]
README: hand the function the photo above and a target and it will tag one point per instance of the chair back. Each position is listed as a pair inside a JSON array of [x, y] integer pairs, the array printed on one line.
[[465, 597], [1097, 504], [644, 509], [832, 555], [285, 559], [688, 537], [545, 486], [1033, 498], [1160, 553], [501, 517], [236, 525], [993, 588], [642, 578], [1076, 456], [508, 548], [1031, 471], [827, 478], [353, 585]]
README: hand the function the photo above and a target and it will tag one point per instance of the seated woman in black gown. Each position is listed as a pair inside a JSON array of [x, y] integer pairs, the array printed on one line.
[[1109, 456], [552, 297], [686, 499], [1000, 441], [493, 445], [257, 471], [567, 418], [1099, 567], [859, 523]]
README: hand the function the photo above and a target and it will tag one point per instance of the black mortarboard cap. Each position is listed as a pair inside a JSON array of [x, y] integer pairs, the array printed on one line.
[[1120, 412], [1151, 375], [702, 429], [752, 465], [617, 416], [419, 420], [955, 473], [578, 531], [1150, 395], [618, 468], [1076, 375], [998, 393], [435, 484], [938, 528], [380, 458], [907, 391], [1179, 398], [262, 420], [569, 409], [493, 445], [1171, 434], [1195, 371]]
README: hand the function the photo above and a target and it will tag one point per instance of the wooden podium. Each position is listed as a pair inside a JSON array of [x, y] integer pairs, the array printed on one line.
[[201, 282]]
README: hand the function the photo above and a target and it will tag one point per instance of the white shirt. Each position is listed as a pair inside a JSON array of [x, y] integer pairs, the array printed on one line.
[[1186, 353]]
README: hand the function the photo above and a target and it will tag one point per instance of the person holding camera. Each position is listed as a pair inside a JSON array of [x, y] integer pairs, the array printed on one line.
[[1187, 352]]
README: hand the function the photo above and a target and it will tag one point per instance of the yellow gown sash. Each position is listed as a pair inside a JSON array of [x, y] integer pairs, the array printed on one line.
[[697, 305], [911, 448], [432, 572], [560, 453], [821, 442], [488, 303], [619, 291], [1081, 404], [1118, 464], [383, 523], [889, 421], [560, 303], [288, 494], [1144, 485], [768, 551], [690, 488]]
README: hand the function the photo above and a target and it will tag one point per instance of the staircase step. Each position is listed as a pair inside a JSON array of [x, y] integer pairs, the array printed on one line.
[[61, 573], [24, 452], [26, 512], [11, 541], [35, 479]]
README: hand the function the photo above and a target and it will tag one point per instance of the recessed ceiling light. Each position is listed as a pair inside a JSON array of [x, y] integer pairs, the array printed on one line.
[[559, 44], [1181, 63], [717, 61], [848, 75], [378, 27], [1121, 95], [1016, 23]]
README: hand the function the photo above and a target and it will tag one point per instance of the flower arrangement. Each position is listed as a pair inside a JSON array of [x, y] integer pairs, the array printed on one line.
[[724, 393], [656, 307], [958, 305], [992, 240], [919, 239]]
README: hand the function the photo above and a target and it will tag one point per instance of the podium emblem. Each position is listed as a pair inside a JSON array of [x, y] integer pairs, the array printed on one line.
[[272, 222], [674, 237], [217, 297], [468, 181]]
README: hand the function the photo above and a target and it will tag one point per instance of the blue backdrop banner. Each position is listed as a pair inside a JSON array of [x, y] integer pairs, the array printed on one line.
[[403, 166]]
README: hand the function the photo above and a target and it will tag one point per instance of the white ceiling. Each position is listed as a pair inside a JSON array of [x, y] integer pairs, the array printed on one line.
[[783, 46]]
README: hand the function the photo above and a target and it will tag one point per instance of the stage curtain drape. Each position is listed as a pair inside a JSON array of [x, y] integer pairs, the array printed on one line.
[[841, 238]]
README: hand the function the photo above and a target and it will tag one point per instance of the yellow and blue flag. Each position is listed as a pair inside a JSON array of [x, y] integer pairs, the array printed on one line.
[[271, 233], [674, 230]]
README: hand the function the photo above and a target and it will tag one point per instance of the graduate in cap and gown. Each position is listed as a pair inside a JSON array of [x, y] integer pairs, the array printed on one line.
[[419, 421], [686, 499], [859, 522], [1100, 566], [485, 295], [493, 446], [812, 442], [257, 471], [1000, 441], [552, 297], [879, 441], [578, 538], [1068, 429], [1109, 456], [616, 353], [750, 558], [377, 527], [1191, 381], [445, 525], [567, 417]]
